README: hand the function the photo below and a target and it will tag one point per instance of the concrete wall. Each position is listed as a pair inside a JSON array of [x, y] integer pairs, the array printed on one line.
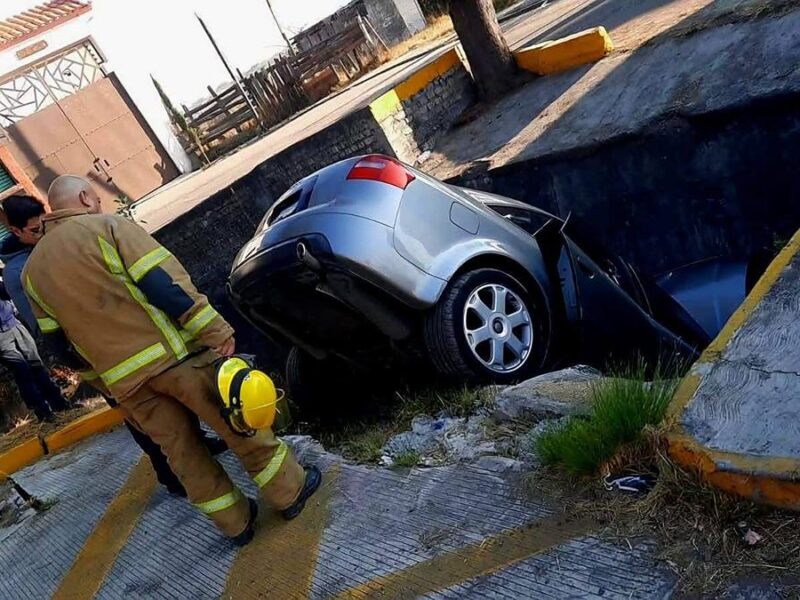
[[412, 14], [164, 39], [425, 106], [388, 18], [720, 184]]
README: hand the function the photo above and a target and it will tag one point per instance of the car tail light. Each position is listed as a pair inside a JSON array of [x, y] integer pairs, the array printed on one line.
[[383, 169]]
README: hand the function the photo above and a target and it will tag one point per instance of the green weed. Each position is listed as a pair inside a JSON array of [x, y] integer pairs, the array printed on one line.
[[365, 446], [622, 406], [407, 458]]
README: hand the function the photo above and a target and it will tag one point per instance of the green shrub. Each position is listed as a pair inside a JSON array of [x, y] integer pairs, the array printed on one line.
[[407, 458], [622, 406]]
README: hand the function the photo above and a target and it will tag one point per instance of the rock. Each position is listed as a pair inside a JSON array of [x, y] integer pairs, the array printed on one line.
[[423, 157], [442, 441], [557, 394]]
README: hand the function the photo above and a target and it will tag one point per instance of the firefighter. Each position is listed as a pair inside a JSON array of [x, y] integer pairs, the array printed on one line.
[[24, 215], [113, 301]]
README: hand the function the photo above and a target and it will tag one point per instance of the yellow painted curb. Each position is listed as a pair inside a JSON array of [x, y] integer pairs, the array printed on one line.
[[774, 481], [565, 53], [99, 421], [391, 102], [20, 456], [385, 106], [424, 76]]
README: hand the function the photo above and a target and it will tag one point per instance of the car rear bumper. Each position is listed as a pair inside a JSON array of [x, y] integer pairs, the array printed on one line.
[[342, 293]]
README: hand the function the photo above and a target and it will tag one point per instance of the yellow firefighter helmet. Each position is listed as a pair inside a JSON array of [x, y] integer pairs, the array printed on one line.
[[249, 396]]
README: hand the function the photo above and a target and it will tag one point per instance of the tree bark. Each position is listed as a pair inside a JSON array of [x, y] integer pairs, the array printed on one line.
[[493, 66]]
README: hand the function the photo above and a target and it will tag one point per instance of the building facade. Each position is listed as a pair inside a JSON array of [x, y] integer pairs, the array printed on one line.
[[76, 81]]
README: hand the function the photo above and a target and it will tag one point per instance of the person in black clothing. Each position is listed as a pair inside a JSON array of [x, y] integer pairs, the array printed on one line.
[[24, 218], [19, 355]]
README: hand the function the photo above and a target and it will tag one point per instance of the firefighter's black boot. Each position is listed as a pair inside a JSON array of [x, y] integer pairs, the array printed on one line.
[[313, 479], [246, 536]]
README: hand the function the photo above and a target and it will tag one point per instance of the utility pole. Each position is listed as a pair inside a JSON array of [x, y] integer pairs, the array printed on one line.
[[236, 80], [280, 29]]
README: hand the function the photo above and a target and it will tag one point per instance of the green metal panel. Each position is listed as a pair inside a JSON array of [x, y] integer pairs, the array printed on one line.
[[6, 181]]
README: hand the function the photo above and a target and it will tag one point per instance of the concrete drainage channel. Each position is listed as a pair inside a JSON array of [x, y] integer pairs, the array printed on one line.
[[684, 189], [467, 525], [466, 522]]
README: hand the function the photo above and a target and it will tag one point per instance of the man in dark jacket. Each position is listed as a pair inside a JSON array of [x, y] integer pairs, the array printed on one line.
[[24, 216]]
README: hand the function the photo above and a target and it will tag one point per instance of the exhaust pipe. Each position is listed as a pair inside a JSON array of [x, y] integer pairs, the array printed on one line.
[[305, 257]]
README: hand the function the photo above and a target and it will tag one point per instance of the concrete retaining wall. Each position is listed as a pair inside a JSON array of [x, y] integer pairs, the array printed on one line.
[[357, 133], [719, 184], [422, 108]]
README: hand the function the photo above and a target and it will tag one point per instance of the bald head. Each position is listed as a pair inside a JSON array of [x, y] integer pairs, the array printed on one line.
[[70, 192]]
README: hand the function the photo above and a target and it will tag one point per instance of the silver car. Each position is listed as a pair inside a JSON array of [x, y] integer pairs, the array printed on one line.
[[369, 261]]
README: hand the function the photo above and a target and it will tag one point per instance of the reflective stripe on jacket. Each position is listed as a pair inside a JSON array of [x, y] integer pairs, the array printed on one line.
[[85, 280]]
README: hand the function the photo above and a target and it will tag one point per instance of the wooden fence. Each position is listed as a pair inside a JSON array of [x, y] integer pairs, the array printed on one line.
[[273, 94], [277, 91]]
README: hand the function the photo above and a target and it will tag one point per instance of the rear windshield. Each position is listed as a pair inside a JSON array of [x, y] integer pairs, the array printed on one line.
[[293, 201]]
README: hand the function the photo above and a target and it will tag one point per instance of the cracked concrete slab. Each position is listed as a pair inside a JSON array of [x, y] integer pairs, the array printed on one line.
[[738, 411], [466, 530]]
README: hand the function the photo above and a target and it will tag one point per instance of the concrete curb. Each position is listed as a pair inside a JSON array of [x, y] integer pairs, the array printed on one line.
[[772, 481], [391, 102], [30, 451], [565, 53], [20, 456]]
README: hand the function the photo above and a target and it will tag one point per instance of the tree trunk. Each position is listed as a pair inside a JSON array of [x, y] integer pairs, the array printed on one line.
[[493, 66]]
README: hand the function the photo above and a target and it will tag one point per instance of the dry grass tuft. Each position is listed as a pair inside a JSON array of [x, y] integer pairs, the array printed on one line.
[[699, 529], [29, 428], [362, 439], [438, 28]]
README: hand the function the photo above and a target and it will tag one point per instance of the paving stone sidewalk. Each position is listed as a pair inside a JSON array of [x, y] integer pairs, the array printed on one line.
[[468, 530]]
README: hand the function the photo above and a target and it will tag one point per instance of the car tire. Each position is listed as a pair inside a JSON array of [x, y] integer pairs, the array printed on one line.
[[453, 328], [308, 380]]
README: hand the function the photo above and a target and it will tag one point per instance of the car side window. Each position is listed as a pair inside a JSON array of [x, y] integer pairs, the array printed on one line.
[[529, 220]]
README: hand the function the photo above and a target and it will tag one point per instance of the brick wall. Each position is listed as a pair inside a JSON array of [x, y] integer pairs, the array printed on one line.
[[415, 124], [435, 109], [357, 133]]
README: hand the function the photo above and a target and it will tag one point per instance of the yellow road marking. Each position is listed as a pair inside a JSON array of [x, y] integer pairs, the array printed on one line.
[[281, 560], [494, 553], [111, 533]]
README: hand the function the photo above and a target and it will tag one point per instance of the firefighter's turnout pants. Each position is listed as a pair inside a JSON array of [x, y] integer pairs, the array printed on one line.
[[162, 409], [120, 307]]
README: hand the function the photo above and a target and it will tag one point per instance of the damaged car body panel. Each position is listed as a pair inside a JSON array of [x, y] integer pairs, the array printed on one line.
[[370, 256]]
